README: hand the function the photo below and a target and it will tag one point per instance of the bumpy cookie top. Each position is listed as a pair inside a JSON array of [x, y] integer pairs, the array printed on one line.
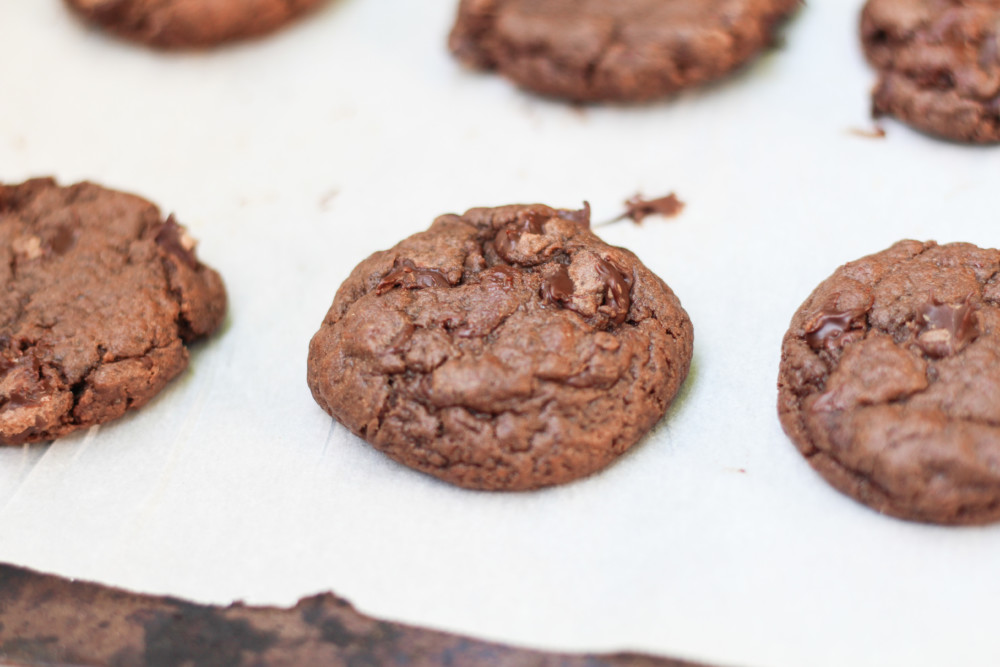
[[591, 50], [890, 381], [507, 348], [187, 24], [939, 64], [98, 296]]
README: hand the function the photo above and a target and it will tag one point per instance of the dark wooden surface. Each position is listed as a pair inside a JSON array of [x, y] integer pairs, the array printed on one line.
[[48, 620]]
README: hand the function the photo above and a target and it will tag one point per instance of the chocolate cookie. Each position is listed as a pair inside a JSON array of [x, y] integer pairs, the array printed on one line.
[[938, 63], [178, 24], [890, 381], [507, 348], [614, 50], [99, 296]]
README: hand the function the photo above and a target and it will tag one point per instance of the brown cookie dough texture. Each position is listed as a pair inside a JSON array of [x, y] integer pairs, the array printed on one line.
[[614, 50], [507, 348], [890, 381], [99, 295], [938, 64], [178, 24]]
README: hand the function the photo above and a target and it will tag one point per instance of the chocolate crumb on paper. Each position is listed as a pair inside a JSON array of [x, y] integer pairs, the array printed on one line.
[[638, 208], [48, 620]]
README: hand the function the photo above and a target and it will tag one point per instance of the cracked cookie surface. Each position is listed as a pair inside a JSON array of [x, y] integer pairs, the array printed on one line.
[[938, 64], [890, 381], [174, 24], [99, 295], [508, 348], [614, 50]]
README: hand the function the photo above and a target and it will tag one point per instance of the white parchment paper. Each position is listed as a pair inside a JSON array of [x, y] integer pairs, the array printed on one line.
[[294, 157]]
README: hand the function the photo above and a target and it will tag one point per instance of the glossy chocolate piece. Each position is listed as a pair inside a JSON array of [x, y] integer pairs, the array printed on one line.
[[828, 329], [947, 328], [407, 275]]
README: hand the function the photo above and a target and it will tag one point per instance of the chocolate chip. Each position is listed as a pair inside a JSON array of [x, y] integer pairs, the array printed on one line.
[[407, 275], [829, 329], [505, 242], [946, 328], [501, 275], [617, 290], [532, 222], [581, 217], [558, 287]]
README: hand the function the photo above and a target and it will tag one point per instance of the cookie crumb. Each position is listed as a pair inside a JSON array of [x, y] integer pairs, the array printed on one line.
[[638, 208], [327, 199], [877, 132]]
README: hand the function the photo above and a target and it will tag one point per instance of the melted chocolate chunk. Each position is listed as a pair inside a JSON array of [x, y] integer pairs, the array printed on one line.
[[532, 222], [617, 292], [558, 288], [830, 329], [581, 217], [407, 275], [174, 239], [505, 242], [946, 328], [500, 274]]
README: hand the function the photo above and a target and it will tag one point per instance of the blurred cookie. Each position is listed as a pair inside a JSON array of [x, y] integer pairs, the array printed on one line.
[[100, 294], [507, 348], [938, 64], [178, 24], [890, 381], [614, 50]]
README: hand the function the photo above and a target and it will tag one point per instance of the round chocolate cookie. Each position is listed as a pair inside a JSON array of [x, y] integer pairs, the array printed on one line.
[[99, 296], [507, 348], [179, 24], [890, 381], [614, 50], [938, 63]]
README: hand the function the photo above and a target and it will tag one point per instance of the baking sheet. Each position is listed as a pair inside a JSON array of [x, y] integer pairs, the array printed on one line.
[[294, 157]]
